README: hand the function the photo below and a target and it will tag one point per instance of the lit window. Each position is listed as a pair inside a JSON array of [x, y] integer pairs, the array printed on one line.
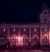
[[35, 30], [45, 30], [24, 30], [3, 30], [14, 30]]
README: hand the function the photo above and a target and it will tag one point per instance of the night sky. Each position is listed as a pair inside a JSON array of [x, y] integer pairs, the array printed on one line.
[[21, 11]]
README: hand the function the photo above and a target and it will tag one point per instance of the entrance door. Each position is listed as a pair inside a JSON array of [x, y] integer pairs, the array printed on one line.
[[13, 41], [24, 40]]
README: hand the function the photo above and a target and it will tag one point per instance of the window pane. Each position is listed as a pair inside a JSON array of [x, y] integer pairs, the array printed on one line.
[[35, 30], [14, 30], [3, 30], [35, 39], [24, 30], [45, 39], [25, 39], [45, 30]]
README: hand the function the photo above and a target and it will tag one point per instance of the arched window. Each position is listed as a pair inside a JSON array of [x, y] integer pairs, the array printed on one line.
[[35, 39], [45, 39], [13, 38], [24, 39]]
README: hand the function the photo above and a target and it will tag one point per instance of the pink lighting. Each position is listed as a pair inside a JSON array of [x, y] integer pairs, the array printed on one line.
[[16, 37]]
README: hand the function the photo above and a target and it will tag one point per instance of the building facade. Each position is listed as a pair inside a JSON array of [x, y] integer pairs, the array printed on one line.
[[20, 34]]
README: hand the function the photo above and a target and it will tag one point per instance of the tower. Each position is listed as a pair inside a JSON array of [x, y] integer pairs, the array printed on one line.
[[44, 14]]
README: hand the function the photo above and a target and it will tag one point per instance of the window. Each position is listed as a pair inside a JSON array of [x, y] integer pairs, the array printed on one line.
[[3, 30], [45, 39], [45, 20], [45, 30], [24, 39], [35, 39], [13, 38], [24, 30], [35, 30], [14, 30], [45, 12]]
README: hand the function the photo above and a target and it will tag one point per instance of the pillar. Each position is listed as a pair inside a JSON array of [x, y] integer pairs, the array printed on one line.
[[19, 37], [29, 34], [49, 35], [8, 33], [40, 36]]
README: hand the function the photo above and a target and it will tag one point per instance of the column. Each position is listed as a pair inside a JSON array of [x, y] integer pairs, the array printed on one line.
[[29, 34], [8, 32], [40, 36], [19, 37], [49, 35]]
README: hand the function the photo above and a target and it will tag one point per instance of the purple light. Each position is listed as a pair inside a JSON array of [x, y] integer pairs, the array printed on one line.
[[34, 29], [4, 29], [24, 29], [14, 29]]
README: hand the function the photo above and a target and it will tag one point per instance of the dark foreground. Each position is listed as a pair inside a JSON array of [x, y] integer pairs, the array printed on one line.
[[24, 49]]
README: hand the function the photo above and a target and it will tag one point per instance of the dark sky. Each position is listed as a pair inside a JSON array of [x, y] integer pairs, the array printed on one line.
[[21, 11]]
